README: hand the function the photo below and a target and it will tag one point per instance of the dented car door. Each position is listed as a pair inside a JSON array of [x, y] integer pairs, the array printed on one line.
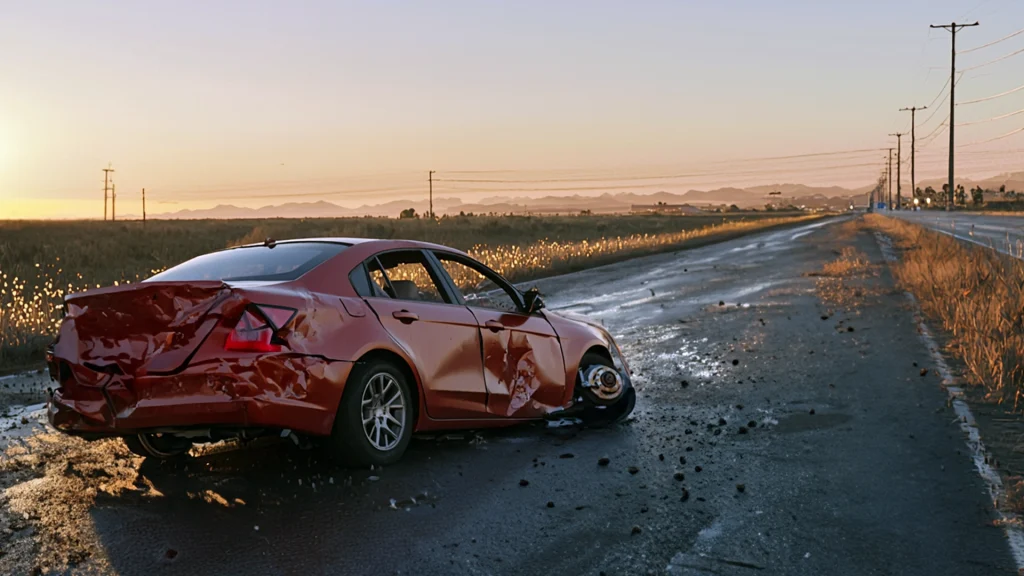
[[523, 365], [442, 339]]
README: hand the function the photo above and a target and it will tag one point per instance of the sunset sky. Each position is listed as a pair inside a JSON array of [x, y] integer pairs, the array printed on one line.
[[259, 102]]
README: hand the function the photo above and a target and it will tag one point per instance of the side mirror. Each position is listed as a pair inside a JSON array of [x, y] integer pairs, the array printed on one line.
[[531, 298]]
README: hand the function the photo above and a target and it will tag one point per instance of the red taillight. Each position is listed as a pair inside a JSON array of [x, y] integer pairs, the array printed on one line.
[[255, 331]]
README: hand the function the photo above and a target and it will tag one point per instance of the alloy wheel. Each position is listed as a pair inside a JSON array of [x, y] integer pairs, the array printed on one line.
[[383, 411]]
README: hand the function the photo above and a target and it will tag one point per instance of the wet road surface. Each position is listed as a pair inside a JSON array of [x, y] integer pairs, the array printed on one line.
[[1005, 233], [783, 426]]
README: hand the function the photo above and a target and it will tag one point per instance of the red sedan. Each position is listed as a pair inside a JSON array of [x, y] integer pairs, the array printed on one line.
[[362, 342]]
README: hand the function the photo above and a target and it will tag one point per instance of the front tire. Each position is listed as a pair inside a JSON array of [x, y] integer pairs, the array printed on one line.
[[599, 409], [375, 419]]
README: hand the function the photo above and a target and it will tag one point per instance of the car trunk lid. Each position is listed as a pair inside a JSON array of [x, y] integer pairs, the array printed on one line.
[[150, 327]]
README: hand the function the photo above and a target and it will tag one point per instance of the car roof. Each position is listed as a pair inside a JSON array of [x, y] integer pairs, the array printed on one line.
[[378, 244]]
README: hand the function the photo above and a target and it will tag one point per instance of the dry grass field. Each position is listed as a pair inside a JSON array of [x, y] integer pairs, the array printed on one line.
[[976, 294]]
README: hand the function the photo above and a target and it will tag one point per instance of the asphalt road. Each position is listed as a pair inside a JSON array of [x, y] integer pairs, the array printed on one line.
[[783, 427], [1005, 233]]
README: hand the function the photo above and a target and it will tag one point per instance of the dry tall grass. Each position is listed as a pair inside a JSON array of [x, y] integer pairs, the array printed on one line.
[[975, 293], [851, 261]]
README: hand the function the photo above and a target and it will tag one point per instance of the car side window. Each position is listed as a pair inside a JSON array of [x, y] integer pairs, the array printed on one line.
[[359, 281], [404, 275], [379, 286], [476, 287]]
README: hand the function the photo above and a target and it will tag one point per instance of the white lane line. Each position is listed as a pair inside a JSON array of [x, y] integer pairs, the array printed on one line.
[[953, 235], [973, 241], [996, 491]]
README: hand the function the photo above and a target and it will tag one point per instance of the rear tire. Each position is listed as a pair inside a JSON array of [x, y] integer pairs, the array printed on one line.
[[598, 411], [157, 445], [376, 416]]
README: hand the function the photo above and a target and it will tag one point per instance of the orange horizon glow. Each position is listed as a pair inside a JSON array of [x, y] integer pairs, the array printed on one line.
[[353, 103]]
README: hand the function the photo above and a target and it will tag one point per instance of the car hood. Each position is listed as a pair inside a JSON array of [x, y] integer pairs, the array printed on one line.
[[578, 318], [598, 331]]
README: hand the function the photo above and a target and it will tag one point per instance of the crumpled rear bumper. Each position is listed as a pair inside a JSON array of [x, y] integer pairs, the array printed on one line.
[[300, 393]]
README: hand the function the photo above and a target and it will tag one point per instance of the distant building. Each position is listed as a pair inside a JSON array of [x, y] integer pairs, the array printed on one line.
[[664, 209]]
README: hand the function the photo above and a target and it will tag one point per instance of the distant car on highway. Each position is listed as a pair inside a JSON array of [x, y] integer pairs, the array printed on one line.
[[359, 342]]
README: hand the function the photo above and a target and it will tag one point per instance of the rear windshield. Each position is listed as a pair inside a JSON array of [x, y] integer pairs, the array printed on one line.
[[283, 262]]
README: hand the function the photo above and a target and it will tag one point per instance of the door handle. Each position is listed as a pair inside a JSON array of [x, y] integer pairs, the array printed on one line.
[[494, 325], [405, 316]]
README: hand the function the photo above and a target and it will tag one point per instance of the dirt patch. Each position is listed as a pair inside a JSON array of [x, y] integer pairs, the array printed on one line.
[[49, 482], [844, 281]]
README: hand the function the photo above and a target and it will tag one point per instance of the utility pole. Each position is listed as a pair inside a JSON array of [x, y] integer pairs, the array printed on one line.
[[889, 179], [913, 147], [430, 178], [899, 160], [113, 201], [106, 188], [953, 28], [143, 207]]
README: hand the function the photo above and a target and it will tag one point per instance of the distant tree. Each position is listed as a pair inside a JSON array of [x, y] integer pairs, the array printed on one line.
[[586, 212], [408, 213], [769, 208], [734, 208], [961, 195], [462, 213], [977, 196]]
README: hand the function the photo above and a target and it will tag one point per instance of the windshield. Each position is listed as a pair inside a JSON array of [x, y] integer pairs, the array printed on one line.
[[281, 263]]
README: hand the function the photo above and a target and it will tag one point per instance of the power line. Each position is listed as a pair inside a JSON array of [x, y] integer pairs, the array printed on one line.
[[610, 178], [935, 109], [994, 42], [990, 62], [1000, 117], [344, 193], [937, 128], [941, 92], [664, 177], [993, 97], [934, 135], [1007, 135], [712, 162]]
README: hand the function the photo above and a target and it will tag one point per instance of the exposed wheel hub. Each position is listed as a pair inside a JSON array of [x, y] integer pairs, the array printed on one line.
[[603, 381]]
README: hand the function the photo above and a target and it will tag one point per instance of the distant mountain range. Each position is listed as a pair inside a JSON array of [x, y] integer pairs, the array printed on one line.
[[756, 196]]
